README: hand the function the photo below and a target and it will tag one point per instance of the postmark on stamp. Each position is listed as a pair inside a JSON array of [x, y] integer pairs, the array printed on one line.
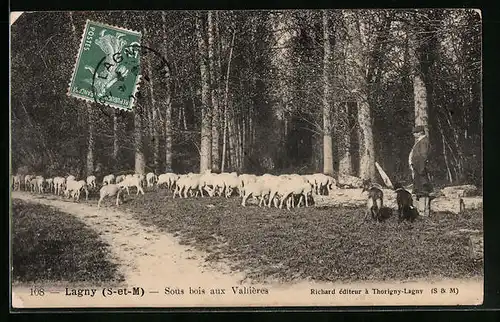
[[107, 69]]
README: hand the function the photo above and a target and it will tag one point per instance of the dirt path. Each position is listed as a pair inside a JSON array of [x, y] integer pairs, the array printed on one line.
[[145, 254], [155, 260]]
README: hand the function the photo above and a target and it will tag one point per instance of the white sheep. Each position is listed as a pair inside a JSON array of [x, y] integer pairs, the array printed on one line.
[[33, 184], [245, 179], [40, 181], [141, 177], [188, 183], [50, 184], [169, 179], [27, 181], [231, 183], [258, 189], [323, 181], [212, 183], [59, 185], [91, 182], [17, 179], [108, 179], [132, 181], [73, 189], [110, 190], [151, 178], [119, 178], [291, 187]]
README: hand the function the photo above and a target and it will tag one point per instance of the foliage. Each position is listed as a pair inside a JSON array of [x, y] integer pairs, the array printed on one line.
[[274, 92]]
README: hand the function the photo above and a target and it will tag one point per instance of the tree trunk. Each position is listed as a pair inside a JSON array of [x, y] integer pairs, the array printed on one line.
[[232, 141], [224, 140], [344, 137], [206, 115], [90, 113], [116, 138], [214, 94], [327, 122], [241, 142], [168, 106], [154, 132], [226, 102], [366, 144], [445, 154], [91, 141], [419, 87], [140, 160]]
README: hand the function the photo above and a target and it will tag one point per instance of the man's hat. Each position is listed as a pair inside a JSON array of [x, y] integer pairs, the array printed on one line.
[[418, 129]]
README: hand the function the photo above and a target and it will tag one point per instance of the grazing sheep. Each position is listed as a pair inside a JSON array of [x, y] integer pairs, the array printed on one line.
[[151, 178], [27, 181], [210, 183], [245, 179], [73, 189], [323, 182], [188, 183], [170, 179], [16, 180], [50, 184], [108, 179], [132, 181], [231, 183], [258, 189], [119, 178], [110, 190], [33, 185], [59, 185], [296, 187], [40, 181], [163, 179], [91, 182]]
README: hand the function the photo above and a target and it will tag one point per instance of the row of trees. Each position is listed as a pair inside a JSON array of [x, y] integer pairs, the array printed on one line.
[[328, 91]]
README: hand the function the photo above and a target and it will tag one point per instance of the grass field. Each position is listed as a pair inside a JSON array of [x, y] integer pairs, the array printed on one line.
[[48, 245], [329, 244]]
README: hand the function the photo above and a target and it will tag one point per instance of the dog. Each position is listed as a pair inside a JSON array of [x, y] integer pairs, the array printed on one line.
[[375, 200], [406, 209]]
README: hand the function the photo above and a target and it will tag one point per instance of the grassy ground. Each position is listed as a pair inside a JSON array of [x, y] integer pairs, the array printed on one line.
[[48, 245], [327, 244]]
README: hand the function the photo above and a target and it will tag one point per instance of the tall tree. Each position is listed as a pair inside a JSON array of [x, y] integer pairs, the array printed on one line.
[[419, 86], [226, 101], [153, 120], [206, 113], [140, 159], [116, 139], [358, 52], [327, 110], [90, 159], [139, 116], [167, 103], [343, 136], [214, 92]]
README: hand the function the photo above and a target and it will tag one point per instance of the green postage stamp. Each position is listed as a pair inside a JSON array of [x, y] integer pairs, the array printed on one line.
[[107, 69]]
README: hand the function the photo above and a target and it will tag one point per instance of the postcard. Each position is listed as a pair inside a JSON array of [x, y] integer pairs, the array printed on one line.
[[246, 158]]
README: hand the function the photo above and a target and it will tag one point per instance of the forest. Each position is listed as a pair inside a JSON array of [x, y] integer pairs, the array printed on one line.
[[275, 91]]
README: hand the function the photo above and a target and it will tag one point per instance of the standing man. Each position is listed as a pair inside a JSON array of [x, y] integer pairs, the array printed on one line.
[[422, 186]]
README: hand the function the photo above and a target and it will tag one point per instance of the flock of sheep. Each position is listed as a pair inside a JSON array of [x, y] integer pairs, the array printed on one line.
[[268, 189]]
